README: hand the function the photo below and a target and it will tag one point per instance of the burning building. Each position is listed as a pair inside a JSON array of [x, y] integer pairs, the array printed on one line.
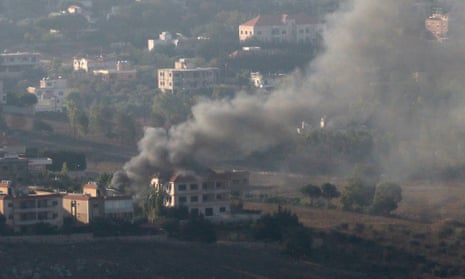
[[207, 194]]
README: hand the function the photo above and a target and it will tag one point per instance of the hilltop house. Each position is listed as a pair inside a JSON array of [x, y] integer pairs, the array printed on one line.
[[207, 194], [184, 76], [50, 95], [12, 64], [281, 28]]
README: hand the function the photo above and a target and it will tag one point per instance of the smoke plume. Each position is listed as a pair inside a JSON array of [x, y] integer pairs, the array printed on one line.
[[378, 68]]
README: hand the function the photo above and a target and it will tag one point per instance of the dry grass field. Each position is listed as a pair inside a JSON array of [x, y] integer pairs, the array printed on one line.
[[429, 222]]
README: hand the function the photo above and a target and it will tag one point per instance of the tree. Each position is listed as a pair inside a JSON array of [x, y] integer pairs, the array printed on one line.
[[357, 195], [386, 199], [83, 122], [72, 110], [329, 191], [125, 127], [154, 204], [104, 179], [312, 191]]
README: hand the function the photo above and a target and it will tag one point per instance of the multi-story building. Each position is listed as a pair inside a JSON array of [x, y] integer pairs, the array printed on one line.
[[123, 71], [14, 61], [23, 211], [207, 194], [90, 65], [50, 94], [281, 29], [94, 203], [185, 76], [438, 25]]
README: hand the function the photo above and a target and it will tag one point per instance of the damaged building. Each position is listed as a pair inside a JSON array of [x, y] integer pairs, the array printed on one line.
[[207, 194]]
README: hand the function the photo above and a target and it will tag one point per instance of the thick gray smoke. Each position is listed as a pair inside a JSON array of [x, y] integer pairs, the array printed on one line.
[[378, 67]]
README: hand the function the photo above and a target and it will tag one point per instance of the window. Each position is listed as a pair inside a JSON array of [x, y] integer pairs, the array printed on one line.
[[194, 199], [194, 211], [194, 186], [222, 209], [182, 199], [205, 185], [219, 197], [209, 211], [259, 32], [218, 184], [42, 216], [42, 203], [54, 203], [283, 32], [10, 204], [182, 187], [10, 217], [205, 198]]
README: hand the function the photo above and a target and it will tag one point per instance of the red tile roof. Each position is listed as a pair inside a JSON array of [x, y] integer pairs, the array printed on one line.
[[267, 20]]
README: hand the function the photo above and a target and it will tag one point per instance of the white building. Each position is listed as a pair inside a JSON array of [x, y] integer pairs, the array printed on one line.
[[207, 194], [184, 76], [281, 28], [50, 94]]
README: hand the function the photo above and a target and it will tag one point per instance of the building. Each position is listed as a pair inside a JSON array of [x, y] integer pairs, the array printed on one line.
[[184, 76], [89, 65], [13, 64], [50, 95], [17, 61], [281, 29], [438, 25], [93, 203], [207, 194], [262, 81], [123, 71], [22, 211]]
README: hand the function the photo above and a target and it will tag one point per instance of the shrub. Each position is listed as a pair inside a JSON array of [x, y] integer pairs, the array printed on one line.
[[197, 228]]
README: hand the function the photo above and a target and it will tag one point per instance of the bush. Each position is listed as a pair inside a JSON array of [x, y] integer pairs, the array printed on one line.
[[197, 228], [273, 227]]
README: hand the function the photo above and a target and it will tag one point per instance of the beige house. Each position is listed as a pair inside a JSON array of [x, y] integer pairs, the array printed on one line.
[[94, 203], [25, 210], [281, 29], [184, 76], [208, 194], [438, 25]]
